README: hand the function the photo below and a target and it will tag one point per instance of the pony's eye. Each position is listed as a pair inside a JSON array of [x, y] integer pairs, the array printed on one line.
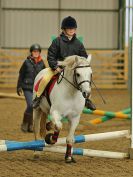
[[77, 74]]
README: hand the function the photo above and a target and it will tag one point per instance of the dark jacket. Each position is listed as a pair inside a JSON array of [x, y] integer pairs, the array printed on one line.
[[62, 47], [28, 72]]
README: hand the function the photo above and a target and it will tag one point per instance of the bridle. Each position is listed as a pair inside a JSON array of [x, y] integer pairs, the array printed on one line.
[[75, 78], [75, 84]]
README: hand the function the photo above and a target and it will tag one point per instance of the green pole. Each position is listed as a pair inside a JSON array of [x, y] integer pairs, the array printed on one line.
[[88, 111], [105, 118], [100, 112]]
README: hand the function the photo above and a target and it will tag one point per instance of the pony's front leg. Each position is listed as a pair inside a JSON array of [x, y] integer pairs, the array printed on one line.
[[74, 121], [51, 138]]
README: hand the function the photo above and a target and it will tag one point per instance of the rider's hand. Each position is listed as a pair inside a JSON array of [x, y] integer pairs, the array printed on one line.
[[19, 91], [58, 70]]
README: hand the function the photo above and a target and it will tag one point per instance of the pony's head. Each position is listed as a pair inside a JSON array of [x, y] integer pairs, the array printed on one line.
[[81, 72]]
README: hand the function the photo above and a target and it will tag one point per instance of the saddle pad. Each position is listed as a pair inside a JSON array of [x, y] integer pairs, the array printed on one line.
[[37, 84], [45, 76], [50, 85]]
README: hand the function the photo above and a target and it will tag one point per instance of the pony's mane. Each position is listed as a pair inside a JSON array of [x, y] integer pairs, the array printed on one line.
[[74, 60]]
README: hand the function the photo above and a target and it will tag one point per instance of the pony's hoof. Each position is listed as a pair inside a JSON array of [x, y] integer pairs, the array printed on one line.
[[48, 138], [70, 160]]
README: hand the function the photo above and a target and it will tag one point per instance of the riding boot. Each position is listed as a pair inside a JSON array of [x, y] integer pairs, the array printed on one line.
[[90, 105], [27, 123], [36, 102]]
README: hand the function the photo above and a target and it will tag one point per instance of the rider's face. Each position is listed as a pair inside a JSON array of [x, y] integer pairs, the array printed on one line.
[[70, 32], [35, 53]]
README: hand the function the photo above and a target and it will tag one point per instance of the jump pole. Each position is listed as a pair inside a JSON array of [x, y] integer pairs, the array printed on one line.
[[6, 145], [105, 118], [88, 152], [80, 151], [106, 113]]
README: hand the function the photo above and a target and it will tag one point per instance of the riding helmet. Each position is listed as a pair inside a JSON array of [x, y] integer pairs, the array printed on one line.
[[35, 47], [68, 22]]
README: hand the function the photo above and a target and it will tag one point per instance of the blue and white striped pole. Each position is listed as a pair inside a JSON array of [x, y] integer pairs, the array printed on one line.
[[88, 152], [61, 149], [6, 145], [12, 146]]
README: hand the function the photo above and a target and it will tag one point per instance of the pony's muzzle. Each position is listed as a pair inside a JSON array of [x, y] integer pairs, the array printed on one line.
[[85, 94]]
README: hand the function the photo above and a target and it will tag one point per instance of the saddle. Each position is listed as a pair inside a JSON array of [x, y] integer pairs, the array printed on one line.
[[45, 82]]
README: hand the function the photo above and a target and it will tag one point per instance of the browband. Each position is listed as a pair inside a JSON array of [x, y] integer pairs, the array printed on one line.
[[82, 66]]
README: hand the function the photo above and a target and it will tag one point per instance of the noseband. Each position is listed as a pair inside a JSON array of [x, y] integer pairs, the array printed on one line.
[[75, 84]]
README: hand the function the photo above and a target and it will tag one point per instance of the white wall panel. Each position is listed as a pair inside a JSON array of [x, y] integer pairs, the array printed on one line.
[[22, 28], [30, 3], [99, 29], [89, 4]]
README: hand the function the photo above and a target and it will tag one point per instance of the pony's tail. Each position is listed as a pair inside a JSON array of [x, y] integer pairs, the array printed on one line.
[[43, 125]]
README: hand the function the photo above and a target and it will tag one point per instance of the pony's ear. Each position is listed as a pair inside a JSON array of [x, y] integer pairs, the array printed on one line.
[[67, 63], [89, 58], [75, 62], [70, 62]]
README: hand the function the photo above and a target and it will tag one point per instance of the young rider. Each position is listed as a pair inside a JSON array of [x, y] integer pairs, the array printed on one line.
[[28, 71], [63, 46]]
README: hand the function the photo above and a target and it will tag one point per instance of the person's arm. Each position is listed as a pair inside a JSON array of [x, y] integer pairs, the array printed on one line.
[[53, 54], [82, 51], [20, 79]]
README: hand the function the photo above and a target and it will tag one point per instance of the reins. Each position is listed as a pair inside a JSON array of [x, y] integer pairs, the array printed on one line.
[[63, 77], [77, 85]]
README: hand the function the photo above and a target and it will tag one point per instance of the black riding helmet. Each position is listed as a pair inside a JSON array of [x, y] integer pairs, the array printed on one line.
[[35, 47], [68, 22]]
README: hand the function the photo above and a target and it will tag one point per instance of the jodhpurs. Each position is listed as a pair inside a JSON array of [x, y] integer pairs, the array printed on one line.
[[28, 97]]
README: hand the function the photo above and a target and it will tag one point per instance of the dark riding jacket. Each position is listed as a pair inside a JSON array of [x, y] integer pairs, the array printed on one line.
[[62, 47], [28, 72]]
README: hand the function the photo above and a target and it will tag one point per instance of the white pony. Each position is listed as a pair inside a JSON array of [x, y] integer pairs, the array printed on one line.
[[67, 100]]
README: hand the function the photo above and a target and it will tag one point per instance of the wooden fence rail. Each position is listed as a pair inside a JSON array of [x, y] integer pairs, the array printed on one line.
[[109, 67]]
